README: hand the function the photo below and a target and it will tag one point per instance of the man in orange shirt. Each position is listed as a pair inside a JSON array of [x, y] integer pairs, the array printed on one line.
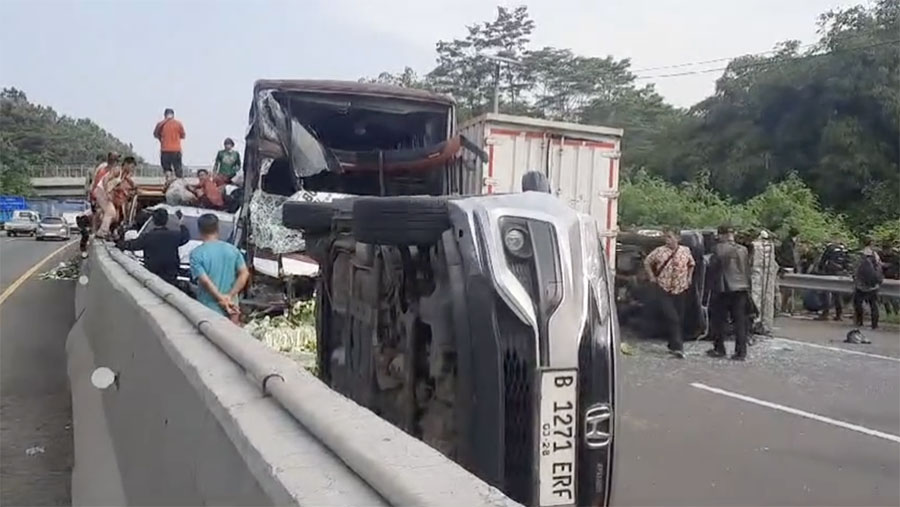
[[170, 132]]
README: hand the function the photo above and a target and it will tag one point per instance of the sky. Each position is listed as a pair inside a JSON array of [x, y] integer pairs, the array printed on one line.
[[122, 62]]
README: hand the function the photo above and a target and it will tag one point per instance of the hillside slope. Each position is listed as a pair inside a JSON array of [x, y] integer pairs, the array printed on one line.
[[35, 135]]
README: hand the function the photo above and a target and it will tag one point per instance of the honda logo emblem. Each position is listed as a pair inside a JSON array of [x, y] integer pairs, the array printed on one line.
[[597, 426]]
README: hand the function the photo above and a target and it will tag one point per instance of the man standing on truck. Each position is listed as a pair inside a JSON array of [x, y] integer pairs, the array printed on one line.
[[219, 269], [671, 268], [160, 246], [227, 164], [170, 132], [729, 288]]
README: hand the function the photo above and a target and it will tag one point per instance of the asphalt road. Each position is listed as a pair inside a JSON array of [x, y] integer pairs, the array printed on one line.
[[806, 420], [35, 404]]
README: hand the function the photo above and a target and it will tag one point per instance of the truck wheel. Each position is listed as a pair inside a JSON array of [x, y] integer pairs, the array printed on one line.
[[308, 216], [400, 220]]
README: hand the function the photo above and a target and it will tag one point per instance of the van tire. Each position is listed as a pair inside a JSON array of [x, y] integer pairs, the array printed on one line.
[[308, 216], [400, 220]]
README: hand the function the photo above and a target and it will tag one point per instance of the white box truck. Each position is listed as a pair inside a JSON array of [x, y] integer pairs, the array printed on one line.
[[580, 161]]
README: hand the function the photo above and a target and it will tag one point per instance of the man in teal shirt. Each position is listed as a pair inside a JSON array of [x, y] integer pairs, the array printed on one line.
[[219, 269], [228, 162]]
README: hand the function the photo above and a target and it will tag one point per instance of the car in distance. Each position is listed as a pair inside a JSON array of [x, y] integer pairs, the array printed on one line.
[[52, 228], [22, 223]]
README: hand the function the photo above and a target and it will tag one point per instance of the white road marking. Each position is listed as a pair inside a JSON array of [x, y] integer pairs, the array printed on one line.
[[837, 349], [821, 418]]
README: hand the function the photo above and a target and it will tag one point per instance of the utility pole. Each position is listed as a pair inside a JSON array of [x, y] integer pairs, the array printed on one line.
[[496, 87], [498, 60]]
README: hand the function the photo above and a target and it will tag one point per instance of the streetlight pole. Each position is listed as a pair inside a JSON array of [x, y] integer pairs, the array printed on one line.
[[498, 60], [496, 87]]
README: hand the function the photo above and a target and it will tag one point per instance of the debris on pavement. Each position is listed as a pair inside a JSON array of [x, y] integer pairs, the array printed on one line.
[[293, 333], [68, 270], [857, 337], [626, 349], [31, 451]]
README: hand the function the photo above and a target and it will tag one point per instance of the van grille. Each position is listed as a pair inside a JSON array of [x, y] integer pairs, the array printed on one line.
[[518, 353]]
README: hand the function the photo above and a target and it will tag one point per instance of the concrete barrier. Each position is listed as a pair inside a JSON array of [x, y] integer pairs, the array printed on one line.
[[187, 424]]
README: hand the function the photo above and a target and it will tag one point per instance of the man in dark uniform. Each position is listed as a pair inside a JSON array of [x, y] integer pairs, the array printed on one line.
[[835, 262], [160, 245], [730, 288]]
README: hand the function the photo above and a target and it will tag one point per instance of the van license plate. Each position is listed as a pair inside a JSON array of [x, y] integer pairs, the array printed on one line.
[[558, 419]]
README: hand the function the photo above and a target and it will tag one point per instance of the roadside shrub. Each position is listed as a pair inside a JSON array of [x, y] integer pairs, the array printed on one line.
[[790, 203], [887, 235], [650, 201]]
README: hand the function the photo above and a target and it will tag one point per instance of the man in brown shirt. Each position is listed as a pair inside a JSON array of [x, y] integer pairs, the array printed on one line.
[[170, 132], [671, 268]]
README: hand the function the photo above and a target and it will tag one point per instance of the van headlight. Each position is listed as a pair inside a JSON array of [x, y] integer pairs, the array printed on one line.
[[516, 242]]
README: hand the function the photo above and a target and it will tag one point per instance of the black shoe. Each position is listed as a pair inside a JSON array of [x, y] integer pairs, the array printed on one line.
[[738, 358], [677, 353], [716, 353]]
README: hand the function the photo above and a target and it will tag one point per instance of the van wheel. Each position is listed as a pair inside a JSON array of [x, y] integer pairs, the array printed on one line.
[[400, 220], [308, 216]]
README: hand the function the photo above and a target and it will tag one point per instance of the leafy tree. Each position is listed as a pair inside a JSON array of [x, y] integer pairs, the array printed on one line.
[[823, 120], [465, 74], [828, 114], [36, 135], [14, 178], [406, 79]]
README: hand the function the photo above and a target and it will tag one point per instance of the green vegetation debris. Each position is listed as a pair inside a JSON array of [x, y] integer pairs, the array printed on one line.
[[293, 333], [68, 270]]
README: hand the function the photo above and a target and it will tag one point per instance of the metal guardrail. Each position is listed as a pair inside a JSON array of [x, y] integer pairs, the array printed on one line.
[[841, 284]]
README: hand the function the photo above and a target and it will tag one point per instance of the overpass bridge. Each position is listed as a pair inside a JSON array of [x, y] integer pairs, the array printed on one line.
[[67, 182]]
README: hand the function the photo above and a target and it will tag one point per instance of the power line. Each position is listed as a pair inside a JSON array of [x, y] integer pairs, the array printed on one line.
[[715, 60], [764, 64]]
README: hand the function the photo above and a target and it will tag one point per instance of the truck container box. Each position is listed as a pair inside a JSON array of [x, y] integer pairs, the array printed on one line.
[[581, 162]]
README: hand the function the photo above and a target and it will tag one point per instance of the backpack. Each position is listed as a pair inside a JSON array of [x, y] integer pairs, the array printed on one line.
[[869, 272]]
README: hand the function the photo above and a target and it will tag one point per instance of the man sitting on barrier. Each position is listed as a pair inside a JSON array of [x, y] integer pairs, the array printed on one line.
[[219, 269]]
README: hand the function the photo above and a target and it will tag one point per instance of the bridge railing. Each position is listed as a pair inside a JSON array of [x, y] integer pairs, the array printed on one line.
[[82, 170]]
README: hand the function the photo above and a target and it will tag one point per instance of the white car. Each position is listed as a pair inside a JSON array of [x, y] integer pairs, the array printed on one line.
[[52, 228], [190, 215]]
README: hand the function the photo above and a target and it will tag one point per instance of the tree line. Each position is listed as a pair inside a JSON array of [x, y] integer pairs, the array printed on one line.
[[35, 135], [823, 116]]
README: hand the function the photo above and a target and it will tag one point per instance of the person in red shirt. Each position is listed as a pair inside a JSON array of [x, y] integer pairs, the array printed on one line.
[[208, 193], [125, 189], [112, 160], [170, 132]]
